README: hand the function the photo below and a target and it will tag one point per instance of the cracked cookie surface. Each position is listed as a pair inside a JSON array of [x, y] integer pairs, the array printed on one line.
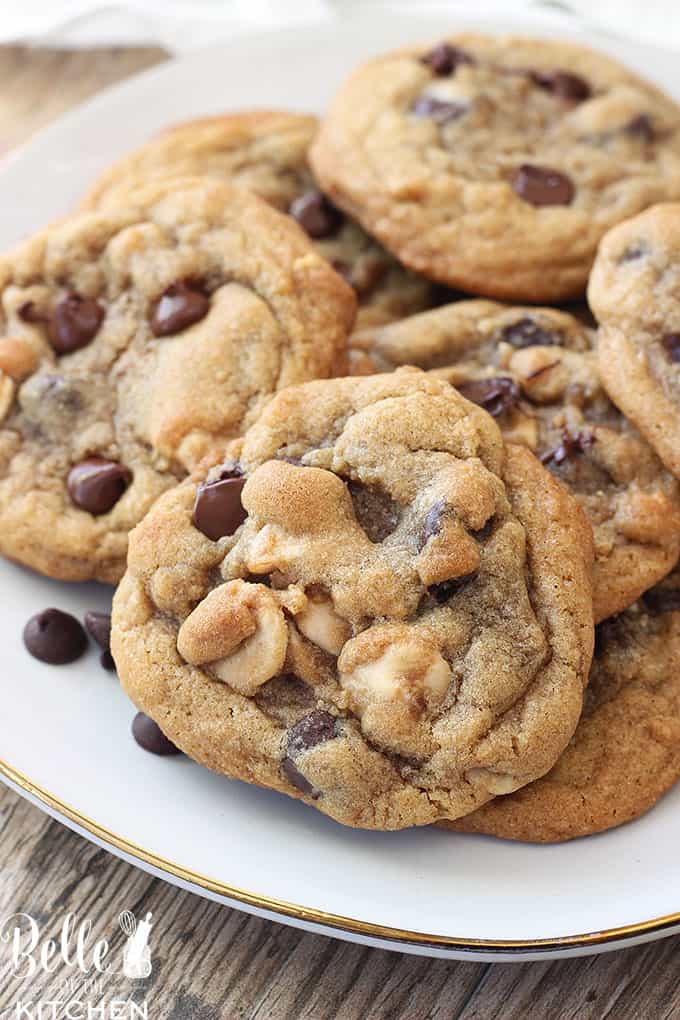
[[373, 605], [135, 341], [625, 753], [635, 294], [266, 152], [496, 164], [536, 371]]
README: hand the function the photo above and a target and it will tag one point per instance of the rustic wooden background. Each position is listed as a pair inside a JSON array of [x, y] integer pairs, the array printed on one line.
[[211, 963]]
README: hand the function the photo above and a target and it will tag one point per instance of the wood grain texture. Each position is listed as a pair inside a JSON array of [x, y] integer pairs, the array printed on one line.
[[211, 963]]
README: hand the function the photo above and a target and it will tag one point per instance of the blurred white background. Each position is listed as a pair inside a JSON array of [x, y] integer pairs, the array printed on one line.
[[185, 24]]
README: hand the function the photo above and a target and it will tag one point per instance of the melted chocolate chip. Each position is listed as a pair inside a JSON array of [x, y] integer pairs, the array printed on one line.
[[563, 84], [572, 444], [438, 110], [444, 59], [632, 254], [433, 521], [528, 333], [179, 306], [312, 730], [662, 600], [641, 127], [150, 736], [671, 345], [540, 185], [74, 322], [497, 395], [316, 215], [218, 510], [343, 269], [295, 777], [55, 637], [447, 589], [28, 312], [97, 484], [98, 626]]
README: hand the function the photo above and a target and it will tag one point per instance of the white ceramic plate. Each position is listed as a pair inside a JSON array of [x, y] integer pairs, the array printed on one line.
[[64, 733]]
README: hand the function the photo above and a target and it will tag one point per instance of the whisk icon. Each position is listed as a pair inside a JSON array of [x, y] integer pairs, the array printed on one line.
[[136, 955]]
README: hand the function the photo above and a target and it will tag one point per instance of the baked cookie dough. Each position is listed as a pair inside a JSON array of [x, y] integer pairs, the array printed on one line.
[[635, 294], [495, 164], [625, 753], [373, 606], [535, 370], [136, 340], [266, 152]]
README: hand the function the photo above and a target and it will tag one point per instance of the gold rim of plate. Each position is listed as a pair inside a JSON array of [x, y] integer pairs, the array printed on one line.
[[309, 915]]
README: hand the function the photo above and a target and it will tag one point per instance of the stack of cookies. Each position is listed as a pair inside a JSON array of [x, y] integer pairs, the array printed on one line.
[[382, 543]]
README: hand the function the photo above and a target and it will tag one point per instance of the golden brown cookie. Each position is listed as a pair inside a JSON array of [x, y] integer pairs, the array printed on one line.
[[266, 152], [495, 164], [625, 753], [635, 294], [374, 606], [535, 370], [134, 342]]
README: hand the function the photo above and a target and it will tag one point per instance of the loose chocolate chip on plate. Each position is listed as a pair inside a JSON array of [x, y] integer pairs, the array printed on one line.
[[496, 395], [74, 322], [97, 484], [438, 110], [150, 736], [55, 637], [528, 333], [316, 215], [444, 59], [572, 444], [218, 510], [179, 306], [662, 600], [563, 84], [671, 345], [540, 185], [98, 626], [641, 127]]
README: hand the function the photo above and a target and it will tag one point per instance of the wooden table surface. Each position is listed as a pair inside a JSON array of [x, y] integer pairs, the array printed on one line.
[[211, 963]]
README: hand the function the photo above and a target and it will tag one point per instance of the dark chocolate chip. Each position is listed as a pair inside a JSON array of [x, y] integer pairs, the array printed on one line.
[[150, 736], [572, 444], [662, 600], [74, 322], [447, 589], [97, 484], [218, 510], [438, 110], [98, 626], [315, 214], [497, 395], [55, 637], [295, 777], [671, 345], [28, 312], [312, 730], [632, 254], [106, 661], [641, 127], [179, 306], [528, 333], [540, 185], [444, 59], [343, 269], [563, 84], [433, 521]]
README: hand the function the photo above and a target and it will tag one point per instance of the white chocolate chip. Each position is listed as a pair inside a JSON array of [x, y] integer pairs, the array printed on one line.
[[322, 626], [240, 632], [401, 667], [7, 391], [497, 783]]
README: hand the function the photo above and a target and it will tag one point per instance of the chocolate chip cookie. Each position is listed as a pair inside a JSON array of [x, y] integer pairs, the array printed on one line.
[[535, 370], [625, 753], [635, 294], [133, 342], [373, 605], [266, 152], [496, 164]]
